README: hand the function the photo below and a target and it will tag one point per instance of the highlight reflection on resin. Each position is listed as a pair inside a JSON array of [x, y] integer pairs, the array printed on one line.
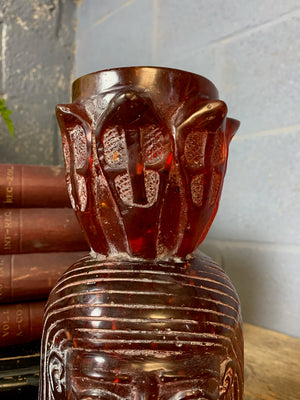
[[142, 317]]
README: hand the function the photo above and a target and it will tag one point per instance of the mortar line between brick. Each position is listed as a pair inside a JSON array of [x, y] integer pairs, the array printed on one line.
[[107, 16], [256, 28], [234, 36], [292, 248], [3, 55], [268, 132]]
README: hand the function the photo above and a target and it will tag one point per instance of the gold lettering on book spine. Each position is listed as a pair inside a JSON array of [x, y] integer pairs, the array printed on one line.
[[7, 230], [2, 276], [19, 320], [5, 324], [9, 193]]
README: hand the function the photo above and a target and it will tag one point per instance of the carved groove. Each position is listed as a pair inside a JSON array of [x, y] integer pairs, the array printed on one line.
[[215, 187], [152, 144], [115, 150], [197, 189], [124, 188], [194, 149]]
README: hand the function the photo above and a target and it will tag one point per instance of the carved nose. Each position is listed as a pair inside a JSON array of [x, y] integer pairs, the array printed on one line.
[[146, 387]]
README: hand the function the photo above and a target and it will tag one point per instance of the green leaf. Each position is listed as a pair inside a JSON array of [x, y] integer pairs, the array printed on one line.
[[5, 114]]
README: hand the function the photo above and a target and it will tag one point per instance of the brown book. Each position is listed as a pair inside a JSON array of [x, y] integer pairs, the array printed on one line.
[[39, 230], [21, 322], [32, 186], [25, 277]]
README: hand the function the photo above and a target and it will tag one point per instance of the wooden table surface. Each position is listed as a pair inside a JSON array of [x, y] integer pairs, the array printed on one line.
[[272, 365]]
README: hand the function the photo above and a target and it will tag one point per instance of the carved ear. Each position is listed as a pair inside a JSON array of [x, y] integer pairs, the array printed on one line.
[[56, 371], [230, 385]]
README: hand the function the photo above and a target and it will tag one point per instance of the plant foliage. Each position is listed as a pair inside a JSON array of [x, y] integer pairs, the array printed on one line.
[[5, 114]]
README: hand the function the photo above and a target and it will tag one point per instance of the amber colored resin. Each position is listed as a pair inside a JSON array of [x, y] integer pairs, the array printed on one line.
[[143, 317]]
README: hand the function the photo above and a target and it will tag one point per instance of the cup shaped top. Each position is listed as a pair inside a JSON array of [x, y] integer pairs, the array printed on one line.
[[145, 151], [168, 84]]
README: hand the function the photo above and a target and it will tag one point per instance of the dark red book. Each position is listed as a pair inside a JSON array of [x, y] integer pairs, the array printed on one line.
[[39, 230], [32, 186], [25, 277], [21, 322]]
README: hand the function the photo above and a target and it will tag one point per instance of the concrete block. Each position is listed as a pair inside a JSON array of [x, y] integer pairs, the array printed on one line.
[[267, 280], [92, 13], [122, 39], [183, 26], [260, 75], [36, 62], [1, 53], [260, 199], [202, 62]]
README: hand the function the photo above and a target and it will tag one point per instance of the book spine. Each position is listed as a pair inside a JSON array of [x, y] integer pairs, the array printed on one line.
[[39, 230], [32, 186], [32, 276], [21, 322]]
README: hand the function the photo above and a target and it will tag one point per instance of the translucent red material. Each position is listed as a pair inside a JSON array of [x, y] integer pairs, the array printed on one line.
[[132, 330], [146, 153], [142, 318]]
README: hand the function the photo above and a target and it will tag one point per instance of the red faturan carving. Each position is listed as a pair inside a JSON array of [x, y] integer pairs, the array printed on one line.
[[146, 153], [144, 317]]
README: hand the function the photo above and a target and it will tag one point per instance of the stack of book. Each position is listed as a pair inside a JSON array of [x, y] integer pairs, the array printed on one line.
[[39, 239]]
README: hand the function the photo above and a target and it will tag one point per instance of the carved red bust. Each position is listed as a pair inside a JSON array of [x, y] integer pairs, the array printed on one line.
[[141, 318]]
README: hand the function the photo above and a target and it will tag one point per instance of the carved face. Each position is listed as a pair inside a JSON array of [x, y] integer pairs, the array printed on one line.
[[140, 376], [128, 330]]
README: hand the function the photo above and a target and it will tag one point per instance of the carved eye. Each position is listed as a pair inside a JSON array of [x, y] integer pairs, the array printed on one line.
[[190, 397], [100, 394], [190, 394]]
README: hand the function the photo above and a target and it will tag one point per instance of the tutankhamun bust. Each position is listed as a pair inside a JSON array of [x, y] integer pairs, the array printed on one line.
[[145, 315]]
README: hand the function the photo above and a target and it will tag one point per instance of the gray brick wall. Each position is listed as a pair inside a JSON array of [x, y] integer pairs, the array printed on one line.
[[251, 51], [37, 57]]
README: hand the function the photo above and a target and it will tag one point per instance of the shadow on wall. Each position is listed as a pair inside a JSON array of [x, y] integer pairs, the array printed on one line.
[[258, 272]]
